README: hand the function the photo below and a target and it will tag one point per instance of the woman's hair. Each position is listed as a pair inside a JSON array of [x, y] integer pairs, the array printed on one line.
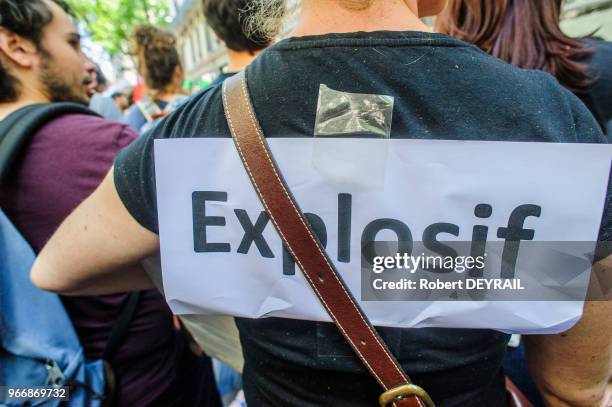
[[525, 33], [157, 50]]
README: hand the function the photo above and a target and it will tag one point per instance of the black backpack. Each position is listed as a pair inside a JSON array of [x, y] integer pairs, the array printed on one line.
[[19, 127]]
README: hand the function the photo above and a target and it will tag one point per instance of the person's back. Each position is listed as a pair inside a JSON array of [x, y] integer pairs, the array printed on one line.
[[443, 89]]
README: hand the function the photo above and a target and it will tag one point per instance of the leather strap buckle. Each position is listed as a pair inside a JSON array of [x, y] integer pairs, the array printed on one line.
[[403, 391]]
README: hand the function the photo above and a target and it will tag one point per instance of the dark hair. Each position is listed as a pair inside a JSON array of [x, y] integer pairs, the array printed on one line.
[[226, 18], [26, 18], [525, 33], [158, 49]]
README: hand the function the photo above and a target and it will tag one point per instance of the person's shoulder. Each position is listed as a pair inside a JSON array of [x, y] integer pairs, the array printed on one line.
[[536, 97], [75, 124], [600, 60], [562, 109], [105, 107], [526, 84], [87, 130], [602, 49], [513, 77], [545, 84]]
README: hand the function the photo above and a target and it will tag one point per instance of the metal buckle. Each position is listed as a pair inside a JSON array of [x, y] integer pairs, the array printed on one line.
[[55, 376], [403, 391]]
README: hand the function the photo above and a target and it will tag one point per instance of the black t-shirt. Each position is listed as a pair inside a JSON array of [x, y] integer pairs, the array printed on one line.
[[599, 97], [219, 79], [443, 89]]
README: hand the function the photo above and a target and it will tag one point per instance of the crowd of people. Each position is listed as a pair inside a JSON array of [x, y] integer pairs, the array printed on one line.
[[80, 189]]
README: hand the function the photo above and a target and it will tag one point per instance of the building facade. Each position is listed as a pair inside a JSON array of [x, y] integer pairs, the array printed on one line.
[[202, 53]]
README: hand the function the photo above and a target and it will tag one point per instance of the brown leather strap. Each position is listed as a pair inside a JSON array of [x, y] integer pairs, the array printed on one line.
[[515, 397], [300, 241]]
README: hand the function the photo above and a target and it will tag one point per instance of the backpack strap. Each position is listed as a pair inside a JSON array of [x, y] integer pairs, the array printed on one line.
[[114, 342], [144, 111], [309, 254], [121, 326], [19, 127]]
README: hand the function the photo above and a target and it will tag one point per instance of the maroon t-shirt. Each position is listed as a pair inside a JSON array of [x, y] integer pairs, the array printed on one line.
[[62, 165]]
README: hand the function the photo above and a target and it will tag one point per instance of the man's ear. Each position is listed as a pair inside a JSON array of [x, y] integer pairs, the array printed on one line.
[[21, 51]]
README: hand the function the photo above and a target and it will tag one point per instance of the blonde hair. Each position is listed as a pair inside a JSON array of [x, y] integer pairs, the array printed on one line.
[[263, 18]]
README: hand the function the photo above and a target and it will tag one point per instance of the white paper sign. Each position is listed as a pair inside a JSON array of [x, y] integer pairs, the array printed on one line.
[[221, 256]]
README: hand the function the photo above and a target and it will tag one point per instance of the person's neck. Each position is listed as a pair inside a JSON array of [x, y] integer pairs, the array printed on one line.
[[168, 94], [26, 98], [382, 15], [238, 60]]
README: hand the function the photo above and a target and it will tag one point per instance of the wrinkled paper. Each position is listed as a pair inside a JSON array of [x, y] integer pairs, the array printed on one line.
[[220, 255]]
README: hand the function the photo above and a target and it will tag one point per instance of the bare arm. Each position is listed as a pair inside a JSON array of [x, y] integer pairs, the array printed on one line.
[[132, 278], [573, 369], [97, 249]]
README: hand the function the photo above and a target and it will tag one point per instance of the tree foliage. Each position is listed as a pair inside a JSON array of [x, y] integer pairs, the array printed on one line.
[[111, 21]]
